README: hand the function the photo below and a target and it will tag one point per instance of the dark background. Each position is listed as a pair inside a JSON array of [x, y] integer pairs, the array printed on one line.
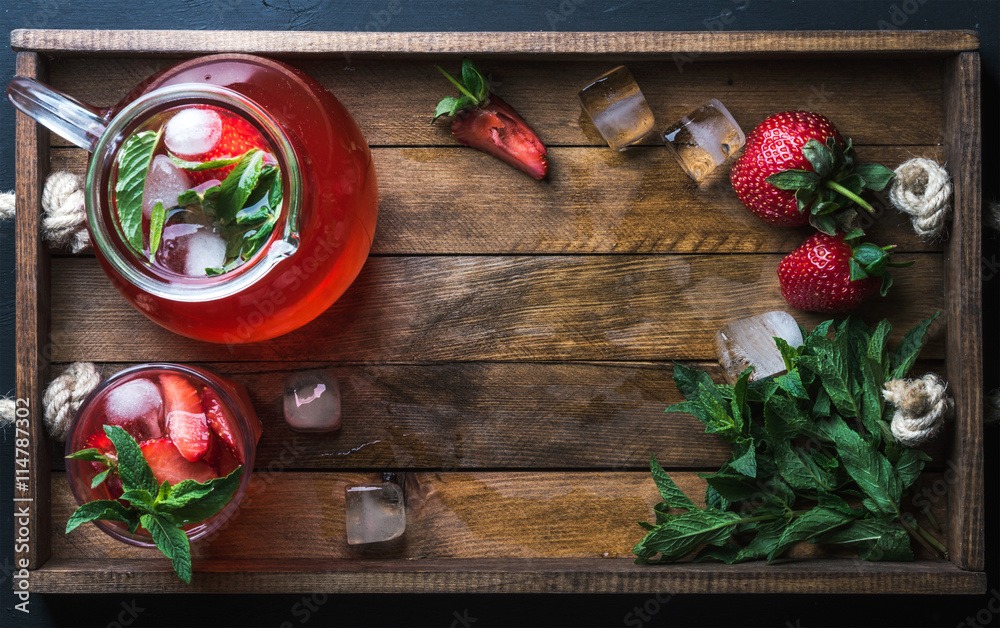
[[505, 610]]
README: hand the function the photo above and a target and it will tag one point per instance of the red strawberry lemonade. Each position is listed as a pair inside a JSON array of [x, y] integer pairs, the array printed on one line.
[[232, 198], [190, 424]]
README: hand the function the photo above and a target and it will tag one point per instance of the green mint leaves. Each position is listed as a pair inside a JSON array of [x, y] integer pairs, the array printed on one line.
[[813, 458], [831, 190], [160, 508], [134, 159], [474, 87]]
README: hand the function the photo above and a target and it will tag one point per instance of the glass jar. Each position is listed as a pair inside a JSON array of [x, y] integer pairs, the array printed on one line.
[[323, 230], [140, 390]]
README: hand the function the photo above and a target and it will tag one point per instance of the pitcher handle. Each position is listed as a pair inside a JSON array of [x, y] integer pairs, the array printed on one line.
[[66, 116]]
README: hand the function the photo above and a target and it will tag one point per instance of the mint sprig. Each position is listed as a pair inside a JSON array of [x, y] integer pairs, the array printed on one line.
[[806, 445], [161, 508]]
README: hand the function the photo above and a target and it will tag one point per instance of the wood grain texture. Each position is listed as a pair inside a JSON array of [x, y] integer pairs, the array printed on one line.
[[484, 308], [513, 515], [489, 416], [554, 575], [595, 202], [963, 274], [631, 43], [907, 112], [32, 311]]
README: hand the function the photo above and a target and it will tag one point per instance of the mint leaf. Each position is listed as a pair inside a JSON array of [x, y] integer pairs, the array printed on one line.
[[910, 464], [134, 158], [685, 533], [103, 509], [238, 184], [156, 222], [172, 541], [140, 499], [909, 347], [190, 502], [809, 526], [132, 466], [671, 494], [198, 166], [100, 477], [205, 202], [870, 469], [689, 380], [89, 455]]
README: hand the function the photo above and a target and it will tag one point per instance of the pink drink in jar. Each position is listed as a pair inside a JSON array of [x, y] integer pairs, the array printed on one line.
[[189, 423], [213, 263]]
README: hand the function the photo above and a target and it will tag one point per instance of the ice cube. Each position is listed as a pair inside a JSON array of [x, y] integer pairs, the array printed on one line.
[[164, 183], [375, 512], [190, 248], [750, 342], [312, 401], [617, 108], [137, 407], [704, 139], [192, 132]]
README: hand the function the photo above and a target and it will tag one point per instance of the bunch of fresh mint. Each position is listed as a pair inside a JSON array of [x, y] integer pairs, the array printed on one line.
[[813, 458], [161, 509], [244, 205]]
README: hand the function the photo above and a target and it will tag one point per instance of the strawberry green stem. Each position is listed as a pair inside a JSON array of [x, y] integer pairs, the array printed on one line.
[[833, 185], [460, 87]]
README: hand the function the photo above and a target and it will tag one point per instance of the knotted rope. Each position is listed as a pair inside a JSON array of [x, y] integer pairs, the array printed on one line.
[[921, 407], [64, 215], [922, 188]]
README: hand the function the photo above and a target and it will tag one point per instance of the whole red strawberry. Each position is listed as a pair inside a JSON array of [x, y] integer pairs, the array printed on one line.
[[797, 169], [485, 122], [830, 274]]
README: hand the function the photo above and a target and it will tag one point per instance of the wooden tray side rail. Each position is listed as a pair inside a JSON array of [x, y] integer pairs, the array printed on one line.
[[598, 362]]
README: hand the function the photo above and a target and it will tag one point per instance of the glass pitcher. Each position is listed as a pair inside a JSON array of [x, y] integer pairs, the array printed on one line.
[[279, 226]]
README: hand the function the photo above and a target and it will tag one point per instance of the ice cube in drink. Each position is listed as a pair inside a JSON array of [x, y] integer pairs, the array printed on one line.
[[375, 513], [617, 108], [704, 139]]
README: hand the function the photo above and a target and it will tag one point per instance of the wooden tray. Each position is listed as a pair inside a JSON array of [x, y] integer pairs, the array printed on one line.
[[510, 341]]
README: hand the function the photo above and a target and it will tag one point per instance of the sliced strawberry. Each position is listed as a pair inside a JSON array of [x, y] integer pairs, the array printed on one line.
[[186, 422], [189, 432], [495, 128], [219, 421], [169, 465], [101, 442], [221, 457], [485, 122]]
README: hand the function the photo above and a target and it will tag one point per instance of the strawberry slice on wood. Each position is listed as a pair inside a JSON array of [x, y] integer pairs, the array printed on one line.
[[169, 465], [485, 122], [187, 424]]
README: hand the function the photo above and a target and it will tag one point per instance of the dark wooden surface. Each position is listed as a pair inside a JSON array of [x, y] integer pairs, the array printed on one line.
[[681, 607]]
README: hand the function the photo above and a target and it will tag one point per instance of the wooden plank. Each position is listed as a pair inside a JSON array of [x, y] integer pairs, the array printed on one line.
[[483, 416], [532, 42], [963, 277], [32, 311], [485, 575], [908, 111], [482, 308], [594, 202], [511, 515]]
